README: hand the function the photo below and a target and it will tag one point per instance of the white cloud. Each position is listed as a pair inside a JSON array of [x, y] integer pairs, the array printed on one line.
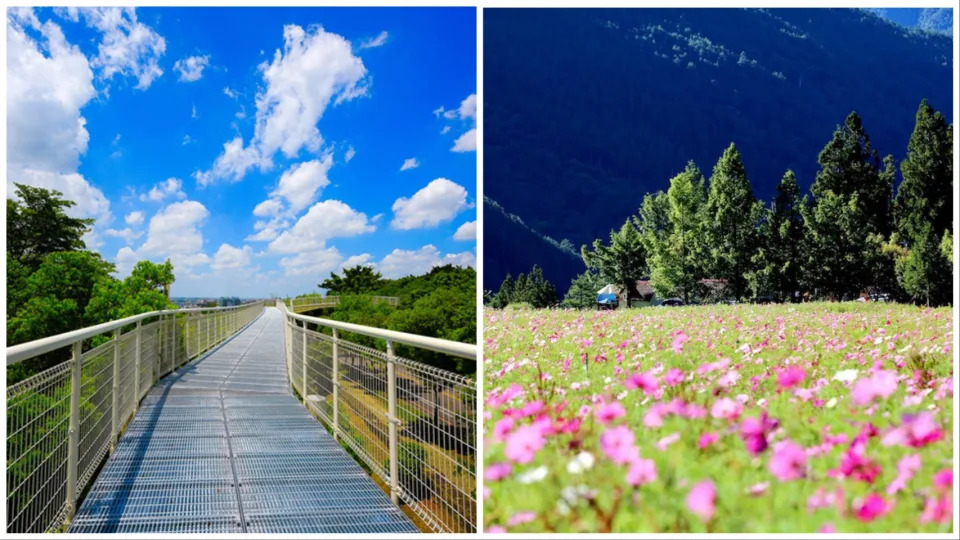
[[193, 111], [302, 182], [125, 260], [436, 203], [468, 108], [128, 234], [445, 130], [325, 220], [467, 231], [438, 111], [378, 41], [400, 263], [44, 114], [410, 163], [128, 47], [171, 187], [191, 68], [357, 260], [174, 232], [269, 207], [134, 218], [348, 155], [466, 142], [229, 93], [186, 140], [315, 68], [230, 257], [317, 262]]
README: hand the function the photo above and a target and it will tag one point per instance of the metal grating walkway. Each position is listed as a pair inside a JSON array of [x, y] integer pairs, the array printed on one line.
[[223, 446]]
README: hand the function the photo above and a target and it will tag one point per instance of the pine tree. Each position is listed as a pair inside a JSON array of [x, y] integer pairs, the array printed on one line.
[[623, 261], [542, 293], [504, 294], [782, 238], [924, 195], [924, 271], [676, 266], [730, 216], [582, 293]]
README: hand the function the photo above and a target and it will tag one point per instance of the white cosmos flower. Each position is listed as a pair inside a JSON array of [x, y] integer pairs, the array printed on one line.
[[581, 462], [832, 403], [847, 375], [533, 475]]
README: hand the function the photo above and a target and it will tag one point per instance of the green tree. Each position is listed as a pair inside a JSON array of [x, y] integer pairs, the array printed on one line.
[[582, 293], [541, 292], [676, 263], [780, 258], [504, 293], [145, 289], [925, 269], [360, 279], [623, 261], [38, 224], [852, 199], [925, 194], [730, 218]]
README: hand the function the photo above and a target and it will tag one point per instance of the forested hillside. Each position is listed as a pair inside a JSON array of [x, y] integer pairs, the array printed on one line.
[[586, 111]]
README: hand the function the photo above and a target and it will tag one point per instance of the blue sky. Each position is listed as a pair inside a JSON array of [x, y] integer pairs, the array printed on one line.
[[257, 148]]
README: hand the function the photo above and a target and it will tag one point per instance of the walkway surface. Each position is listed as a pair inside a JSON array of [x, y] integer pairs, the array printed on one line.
[[222, 445]]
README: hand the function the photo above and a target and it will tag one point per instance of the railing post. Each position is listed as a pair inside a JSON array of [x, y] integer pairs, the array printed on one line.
[[114, 402], [303, 384], [136, 373], [392, 418], [174, 362], [209, 334], [73, 452], [335, 377]]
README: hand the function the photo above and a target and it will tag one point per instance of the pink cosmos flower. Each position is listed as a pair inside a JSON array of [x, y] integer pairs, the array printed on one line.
[[642, 471], [663, 443], [726, 408], [502, 428], [524, 443], [496, 529], [938, 509], [872, 507], [754, 432], [644, 381], [679, 339], [907, 467], [617, 443], [497, 471], [608, 412], [531, 409], [854, 464], [827, 528], [707, 439], [673, 377], [702, 500], [943, 479], [916, 431], [881, 384], [789, 461], [520, 518], [790, 376]]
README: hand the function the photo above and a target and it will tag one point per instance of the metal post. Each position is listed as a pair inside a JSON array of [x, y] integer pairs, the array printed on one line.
[[161, 350], [303, 384], [392, 418], [174, 362], [209, 335], [73, 455], [136, 373], [336, 384], [114, 417]]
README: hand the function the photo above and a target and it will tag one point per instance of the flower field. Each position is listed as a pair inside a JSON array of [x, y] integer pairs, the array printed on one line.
[[777, 418]]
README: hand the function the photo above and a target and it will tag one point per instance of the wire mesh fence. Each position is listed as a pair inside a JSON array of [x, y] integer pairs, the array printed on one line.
[[64, 421], [309, 303], [413, 425]]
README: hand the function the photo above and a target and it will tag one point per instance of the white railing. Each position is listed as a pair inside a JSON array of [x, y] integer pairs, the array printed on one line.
[[308, 303], [64, 421], [413, 425]]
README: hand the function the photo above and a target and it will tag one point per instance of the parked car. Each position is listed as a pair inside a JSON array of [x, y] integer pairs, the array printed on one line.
[[671, 302], [765, 299]]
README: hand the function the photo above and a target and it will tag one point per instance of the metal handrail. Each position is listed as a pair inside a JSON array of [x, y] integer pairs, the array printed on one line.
[[369, 397], [308, 301], [23, 351], [453, 348]]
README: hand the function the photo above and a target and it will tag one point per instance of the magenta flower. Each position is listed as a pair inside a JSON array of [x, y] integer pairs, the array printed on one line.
[[726, 408], [881, 384], [943, 479], [673, 377], [608, 412], [520, 518], [531, 409], [502, 428], [702, 500], [678, 341], [524, 443], [497, 471], [617, 443], [644, 381], [854, 464], [642, 471], [916, 431], [907, 467], [754, 432], [790, 376], [707, 439], [938, 509], [789, 461], [872, 507], [663, 443]]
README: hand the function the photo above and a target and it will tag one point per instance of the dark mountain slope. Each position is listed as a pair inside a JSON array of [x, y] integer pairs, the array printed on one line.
[[585, 110]]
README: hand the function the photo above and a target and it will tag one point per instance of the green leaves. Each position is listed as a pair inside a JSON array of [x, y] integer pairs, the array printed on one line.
[[38, 225], [360, 279]]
